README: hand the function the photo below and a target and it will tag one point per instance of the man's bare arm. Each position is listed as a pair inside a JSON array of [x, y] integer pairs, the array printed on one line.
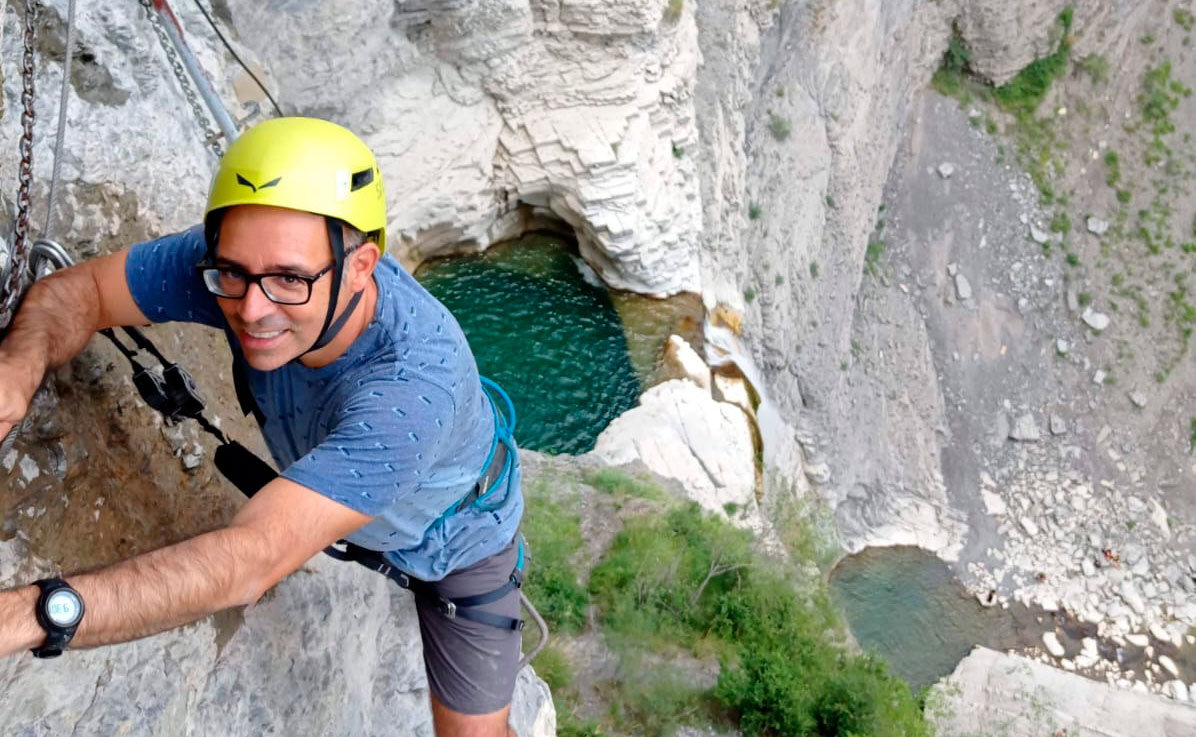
[[57, 317], [275, 533]]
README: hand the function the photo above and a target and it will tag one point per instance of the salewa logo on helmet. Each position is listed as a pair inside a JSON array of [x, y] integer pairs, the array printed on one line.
[[247, 183]]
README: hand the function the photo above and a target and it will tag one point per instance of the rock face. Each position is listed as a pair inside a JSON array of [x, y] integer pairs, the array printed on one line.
[[650, 132], [1028, 697], [646, 127], [579, 112], [334, 649], [680, 432]]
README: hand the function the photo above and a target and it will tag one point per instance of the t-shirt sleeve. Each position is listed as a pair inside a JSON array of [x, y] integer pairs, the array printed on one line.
[[165, 284], [382, 452]]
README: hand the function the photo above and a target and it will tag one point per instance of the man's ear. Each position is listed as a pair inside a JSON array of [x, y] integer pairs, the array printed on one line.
[[360, 265]]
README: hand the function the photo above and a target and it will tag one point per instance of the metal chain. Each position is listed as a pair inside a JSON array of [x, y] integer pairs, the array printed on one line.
[[14, 284], [201, 116]]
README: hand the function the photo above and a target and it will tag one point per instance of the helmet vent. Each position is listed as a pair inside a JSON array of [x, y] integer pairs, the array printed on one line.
[[361, 178]]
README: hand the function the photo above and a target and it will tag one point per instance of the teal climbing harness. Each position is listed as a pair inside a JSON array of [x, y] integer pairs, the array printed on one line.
[[502, 453]]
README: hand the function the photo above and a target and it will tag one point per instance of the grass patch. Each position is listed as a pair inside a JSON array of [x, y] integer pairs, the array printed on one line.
[[872, 254], [1061, 223], [1024, 93], [1096, 67], [778, 127], [1184, 18], [1192, 437], [814, 270], [672, 11], [553, 534], [618, 483], [554, 668]]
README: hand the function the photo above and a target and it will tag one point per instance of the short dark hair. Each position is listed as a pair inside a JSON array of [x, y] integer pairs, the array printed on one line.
[[353, 237]]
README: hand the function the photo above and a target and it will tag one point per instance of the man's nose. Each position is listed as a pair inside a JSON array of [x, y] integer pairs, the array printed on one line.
[[254, 305]]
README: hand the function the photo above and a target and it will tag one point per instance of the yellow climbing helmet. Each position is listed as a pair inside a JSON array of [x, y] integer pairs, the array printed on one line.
[[303, 164]]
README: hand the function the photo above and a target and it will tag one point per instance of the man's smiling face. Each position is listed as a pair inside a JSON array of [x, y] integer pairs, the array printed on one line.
[[256, 239]]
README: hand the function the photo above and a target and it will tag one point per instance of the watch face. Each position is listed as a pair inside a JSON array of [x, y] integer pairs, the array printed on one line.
[[64, 608]]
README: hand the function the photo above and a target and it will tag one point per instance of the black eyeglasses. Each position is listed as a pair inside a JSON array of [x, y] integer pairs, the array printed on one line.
[[280, 288]]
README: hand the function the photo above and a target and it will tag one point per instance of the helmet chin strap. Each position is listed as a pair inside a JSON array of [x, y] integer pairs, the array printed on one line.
[[331, 328]]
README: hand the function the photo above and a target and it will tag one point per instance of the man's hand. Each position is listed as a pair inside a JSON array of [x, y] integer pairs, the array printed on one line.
[[57, 317]]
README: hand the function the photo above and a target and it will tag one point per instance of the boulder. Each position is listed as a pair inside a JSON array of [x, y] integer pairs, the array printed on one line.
[[993, 503], [1098, 321], [1053, 646], [1025, 429], [680, 432], [1096, 226]]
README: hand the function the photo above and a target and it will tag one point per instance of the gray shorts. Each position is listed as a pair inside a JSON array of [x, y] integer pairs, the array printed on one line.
[[471, 666]]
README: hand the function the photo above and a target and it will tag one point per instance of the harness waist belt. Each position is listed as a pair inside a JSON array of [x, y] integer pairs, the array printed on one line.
[[460, 606]]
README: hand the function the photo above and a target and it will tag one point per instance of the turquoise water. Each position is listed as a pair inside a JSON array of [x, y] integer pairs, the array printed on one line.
[[553, 341], [905, 605]]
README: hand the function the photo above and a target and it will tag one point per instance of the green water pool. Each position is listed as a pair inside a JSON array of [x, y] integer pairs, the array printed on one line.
[[553, 341], [906, 605]]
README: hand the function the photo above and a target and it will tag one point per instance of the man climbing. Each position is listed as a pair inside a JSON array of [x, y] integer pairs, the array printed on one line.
[[369, 400]]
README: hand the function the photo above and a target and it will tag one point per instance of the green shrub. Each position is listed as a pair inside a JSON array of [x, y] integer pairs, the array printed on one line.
[[814, 269], [1084, 298], [1112, 168], [1096, 67], [554, 537], [1160, 96], [688, 580], [872, 254], [1124, 196], [749, 295], [778, 126], [754, 211], [1022, 94], [948, 80], [1184, 18], [1061, 223], [1192, 438]]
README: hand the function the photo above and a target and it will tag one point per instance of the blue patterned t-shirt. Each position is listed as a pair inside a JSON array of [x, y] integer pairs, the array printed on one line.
[[398, 427]]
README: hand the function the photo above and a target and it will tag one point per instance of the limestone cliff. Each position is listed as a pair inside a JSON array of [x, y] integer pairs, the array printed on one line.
[[734, 148], [727, 148]]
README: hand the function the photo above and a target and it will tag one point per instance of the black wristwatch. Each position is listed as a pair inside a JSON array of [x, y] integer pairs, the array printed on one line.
[[59, 611]]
